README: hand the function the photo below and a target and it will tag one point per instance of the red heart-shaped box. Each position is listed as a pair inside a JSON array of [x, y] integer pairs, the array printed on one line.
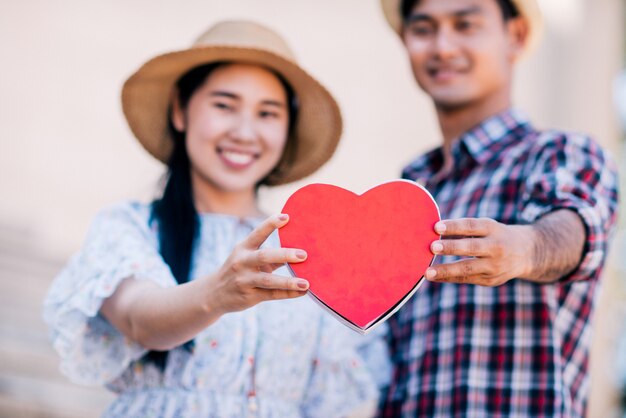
[[367, 253]]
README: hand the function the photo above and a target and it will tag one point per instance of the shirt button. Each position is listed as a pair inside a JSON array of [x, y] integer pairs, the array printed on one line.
[[252, 405]]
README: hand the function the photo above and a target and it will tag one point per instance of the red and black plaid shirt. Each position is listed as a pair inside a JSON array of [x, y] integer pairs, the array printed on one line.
[[520, 349]]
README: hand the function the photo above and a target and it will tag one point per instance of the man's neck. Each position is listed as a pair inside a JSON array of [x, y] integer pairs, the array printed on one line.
[[455, 121]]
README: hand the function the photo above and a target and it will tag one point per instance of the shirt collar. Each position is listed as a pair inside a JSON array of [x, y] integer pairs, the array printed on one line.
[[482, 143], [485, 140]]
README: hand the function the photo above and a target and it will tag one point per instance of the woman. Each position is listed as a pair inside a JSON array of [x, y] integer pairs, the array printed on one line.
[[162, 304]]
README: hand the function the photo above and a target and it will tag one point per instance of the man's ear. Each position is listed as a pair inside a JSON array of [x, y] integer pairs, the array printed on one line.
[[178, 114], [519, 31]]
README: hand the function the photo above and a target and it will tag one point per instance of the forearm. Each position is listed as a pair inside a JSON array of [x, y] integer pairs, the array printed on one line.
[[558, 242], [160, 318]]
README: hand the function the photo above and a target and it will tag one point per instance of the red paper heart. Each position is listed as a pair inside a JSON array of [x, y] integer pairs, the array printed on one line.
[[367, 254]]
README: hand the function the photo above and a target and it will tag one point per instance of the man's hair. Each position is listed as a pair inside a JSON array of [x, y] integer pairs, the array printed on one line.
[[509, 11]]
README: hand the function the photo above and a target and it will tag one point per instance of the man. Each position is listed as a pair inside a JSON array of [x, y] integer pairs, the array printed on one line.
[[501, 327]]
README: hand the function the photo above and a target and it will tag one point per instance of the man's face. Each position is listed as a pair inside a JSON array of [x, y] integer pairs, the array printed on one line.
[[461, 51]]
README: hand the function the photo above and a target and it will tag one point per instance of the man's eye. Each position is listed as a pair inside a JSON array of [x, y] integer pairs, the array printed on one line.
[[465, 25], [421, 29]]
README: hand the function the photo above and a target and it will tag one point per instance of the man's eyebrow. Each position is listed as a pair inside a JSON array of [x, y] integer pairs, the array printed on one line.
[[421, 17], [473, 10]]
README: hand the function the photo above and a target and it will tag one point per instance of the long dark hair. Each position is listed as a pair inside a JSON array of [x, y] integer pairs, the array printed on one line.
[[175, 213]]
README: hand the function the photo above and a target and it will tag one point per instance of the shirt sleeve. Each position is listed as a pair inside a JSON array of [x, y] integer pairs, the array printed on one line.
[[119, 245], [572, 172], [348, 372]]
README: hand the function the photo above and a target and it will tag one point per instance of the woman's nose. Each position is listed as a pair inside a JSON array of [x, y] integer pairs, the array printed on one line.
[[244, 129]]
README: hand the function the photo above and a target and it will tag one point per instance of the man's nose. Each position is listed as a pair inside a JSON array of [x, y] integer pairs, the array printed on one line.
[[445, 43]]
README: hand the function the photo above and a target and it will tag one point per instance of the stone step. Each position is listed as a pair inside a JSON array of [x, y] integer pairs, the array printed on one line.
[[37, 397], [28, 357], [11, 407], [30, 382], [13, 266], [14, 316]]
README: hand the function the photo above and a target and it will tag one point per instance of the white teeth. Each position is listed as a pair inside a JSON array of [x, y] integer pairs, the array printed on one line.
[[237, 157]]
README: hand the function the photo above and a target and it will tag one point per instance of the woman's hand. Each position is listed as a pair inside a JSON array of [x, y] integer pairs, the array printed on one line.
[[246, 277], [162, 318]]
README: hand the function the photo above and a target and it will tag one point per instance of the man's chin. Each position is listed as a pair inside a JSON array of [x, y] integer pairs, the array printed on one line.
[[451, 105]]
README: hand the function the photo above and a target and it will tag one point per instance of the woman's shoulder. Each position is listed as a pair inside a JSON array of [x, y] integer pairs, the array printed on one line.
[[132, 208], [125, 212], [122, 221]]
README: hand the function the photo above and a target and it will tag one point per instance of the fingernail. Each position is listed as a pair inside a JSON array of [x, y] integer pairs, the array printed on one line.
[[431, 273], [437, 247], [303, 284], [301, 254], [283, 217], [440, 227]]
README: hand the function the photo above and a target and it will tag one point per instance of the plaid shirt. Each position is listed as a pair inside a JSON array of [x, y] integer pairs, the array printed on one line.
[[520, 349]]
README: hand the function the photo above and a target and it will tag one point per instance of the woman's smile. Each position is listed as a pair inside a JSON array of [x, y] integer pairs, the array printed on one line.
[[237, 159]]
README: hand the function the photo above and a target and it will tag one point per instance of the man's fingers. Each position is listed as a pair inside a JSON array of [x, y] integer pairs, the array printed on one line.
[[270, 281], [464, 271], [274, 256], [263, 231], [472, 247], [469, 227]]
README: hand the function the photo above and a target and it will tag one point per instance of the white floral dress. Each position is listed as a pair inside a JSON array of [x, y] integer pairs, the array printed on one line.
[[299, 360]]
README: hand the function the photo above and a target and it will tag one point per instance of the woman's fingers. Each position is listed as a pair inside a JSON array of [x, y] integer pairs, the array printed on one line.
[[268, 268], [270, 281], [274, 257], [281, 294], [263, 231]]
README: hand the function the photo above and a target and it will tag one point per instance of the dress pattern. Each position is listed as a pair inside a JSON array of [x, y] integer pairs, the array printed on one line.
[[303, 361]]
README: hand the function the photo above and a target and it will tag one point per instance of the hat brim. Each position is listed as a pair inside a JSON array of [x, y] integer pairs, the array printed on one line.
[[147, 93]]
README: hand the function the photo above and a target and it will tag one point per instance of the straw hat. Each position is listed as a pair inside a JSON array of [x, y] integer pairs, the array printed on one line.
[[146, 94], [529, 9]]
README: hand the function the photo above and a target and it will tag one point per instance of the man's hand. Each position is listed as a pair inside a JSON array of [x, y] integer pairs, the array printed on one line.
[[542, 252], [499, 252]]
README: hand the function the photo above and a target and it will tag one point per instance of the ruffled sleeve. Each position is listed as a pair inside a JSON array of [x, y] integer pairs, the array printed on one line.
[[119, 245], [349, 371]]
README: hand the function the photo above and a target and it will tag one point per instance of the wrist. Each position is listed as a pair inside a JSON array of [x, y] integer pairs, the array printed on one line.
[[209, 301], [531, 255]]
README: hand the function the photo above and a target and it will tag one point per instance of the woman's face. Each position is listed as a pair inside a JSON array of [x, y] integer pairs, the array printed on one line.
[[236, 126]]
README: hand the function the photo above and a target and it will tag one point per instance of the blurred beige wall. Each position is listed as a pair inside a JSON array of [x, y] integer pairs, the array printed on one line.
[[71, 152], [66, 150]]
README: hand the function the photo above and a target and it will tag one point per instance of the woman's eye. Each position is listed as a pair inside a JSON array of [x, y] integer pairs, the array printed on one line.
[[222, 105], [268, 114]]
